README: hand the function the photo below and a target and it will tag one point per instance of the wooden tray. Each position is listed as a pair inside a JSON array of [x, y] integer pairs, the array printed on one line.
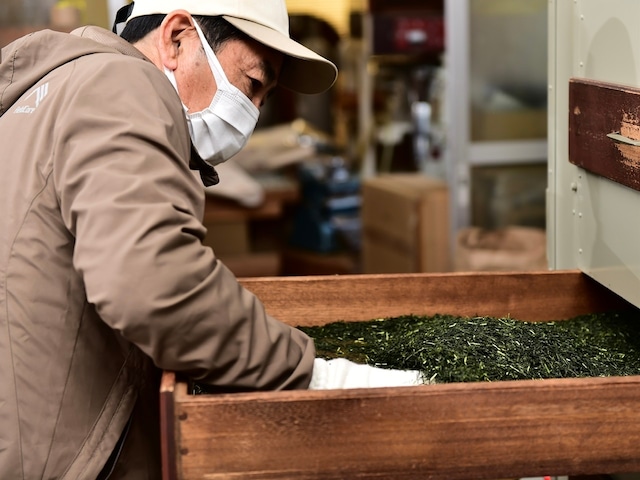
[[460, 431]]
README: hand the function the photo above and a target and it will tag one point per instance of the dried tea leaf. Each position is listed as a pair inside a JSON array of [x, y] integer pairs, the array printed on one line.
[[449, 348]]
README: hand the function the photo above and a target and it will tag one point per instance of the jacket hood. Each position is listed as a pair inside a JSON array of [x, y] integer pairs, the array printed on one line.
[[25, 61], [28, 59]]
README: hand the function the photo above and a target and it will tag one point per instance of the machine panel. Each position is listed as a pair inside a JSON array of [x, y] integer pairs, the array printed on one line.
[[590, 218]]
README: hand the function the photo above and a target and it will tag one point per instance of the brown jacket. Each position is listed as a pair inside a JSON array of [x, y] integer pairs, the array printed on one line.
[[104, 280]]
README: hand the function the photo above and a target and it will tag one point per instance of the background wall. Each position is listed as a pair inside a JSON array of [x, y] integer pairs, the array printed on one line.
[[336, 12]]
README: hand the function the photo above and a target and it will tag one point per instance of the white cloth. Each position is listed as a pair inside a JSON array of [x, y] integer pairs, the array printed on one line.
[[342, 373]]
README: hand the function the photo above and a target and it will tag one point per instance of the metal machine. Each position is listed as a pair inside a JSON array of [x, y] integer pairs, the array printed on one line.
[[591, 219]]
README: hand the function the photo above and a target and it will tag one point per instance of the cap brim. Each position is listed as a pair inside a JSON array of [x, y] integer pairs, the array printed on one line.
[[303, 70]]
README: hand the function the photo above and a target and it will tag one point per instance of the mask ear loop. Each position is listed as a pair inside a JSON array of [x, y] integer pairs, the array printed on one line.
[[172, 78], [220, 76], [214, 63]]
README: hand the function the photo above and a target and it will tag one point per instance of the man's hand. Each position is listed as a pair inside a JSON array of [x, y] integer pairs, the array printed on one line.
[[341, 373]]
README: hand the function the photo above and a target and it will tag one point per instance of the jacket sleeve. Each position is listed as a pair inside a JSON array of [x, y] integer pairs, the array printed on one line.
[[134, 207]]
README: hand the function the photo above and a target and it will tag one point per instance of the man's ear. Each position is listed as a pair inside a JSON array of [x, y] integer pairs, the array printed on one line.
[[171, 34]]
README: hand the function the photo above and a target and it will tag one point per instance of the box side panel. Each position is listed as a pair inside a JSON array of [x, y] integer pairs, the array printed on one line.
[[390, 211], [389, 219], [433, 231], [534, 296], [168, 440], [457, 431]]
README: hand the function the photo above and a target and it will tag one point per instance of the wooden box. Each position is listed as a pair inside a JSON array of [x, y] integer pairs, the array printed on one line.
[[405, 224], [460, 431]]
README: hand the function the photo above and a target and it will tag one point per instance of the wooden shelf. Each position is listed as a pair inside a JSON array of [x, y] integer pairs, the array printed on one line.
[[249, 240], [277, 196]]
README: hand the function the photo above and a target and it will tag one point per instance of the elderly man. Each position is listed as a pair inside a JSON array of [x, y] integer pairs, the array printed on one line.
[[104, 277]]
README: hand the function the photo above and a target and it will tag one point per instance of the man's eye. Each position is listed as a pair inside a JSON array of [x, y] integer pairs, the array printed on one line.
[[256, 85]]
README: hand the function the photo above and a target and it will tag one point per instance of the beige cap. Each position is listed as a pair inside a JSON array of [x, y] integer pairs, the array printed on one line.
[[266, 21]]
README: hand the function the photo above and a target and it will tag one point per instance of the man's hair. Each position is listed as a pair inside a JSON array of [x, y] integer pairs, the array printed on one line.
[[216, 29]]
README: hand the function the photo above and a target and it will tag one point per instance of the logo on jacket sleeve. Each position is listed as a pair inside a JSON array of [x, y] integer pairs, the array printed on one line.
[[33, 99]]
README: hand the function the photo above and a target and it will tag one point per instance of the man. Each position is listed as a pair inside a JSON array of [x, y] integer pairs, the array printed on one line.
[[104, 277]]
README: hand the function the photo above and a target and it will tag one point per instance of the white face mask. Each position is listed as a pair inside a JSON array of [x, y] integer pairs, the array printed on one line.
[[222, 129]]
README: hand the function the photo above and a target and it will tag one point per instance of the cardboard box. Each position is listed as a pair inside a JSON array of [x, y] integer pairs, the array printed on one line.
[[253, 264], [228, 237], [405, 224], [232, 243], [494, 125]]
